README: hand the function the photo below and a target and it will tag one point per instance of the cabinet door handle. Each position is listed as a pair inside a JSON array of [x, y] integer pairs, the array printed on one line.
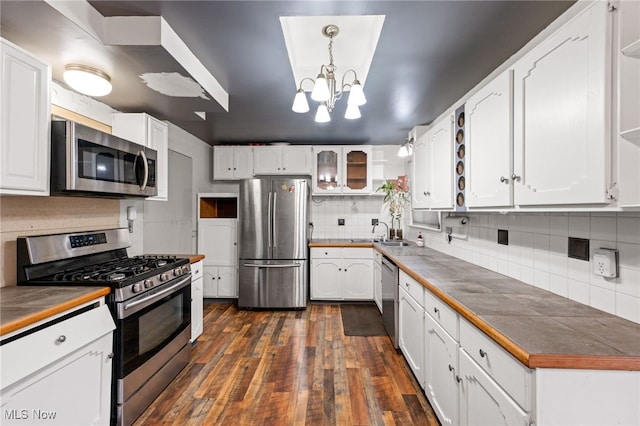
[[61, 339], [504, 179], [515, 177], [111, 355], [482, 353], [451, 367], [458, 379], [339, 269], [436, 310], [345, 269]]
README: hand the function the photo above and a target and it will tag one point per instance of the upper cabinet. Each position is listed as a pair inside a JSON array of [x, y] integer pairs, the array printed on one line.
[[24, 127], [282, 160], [433, 167], [489, 144], [342, 170], [561, 115], [232, 162], [145, 130]]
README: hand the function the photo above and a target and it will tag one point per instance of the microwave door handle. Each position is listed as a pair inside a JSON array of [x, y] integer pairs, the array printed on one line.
[[146, 170]]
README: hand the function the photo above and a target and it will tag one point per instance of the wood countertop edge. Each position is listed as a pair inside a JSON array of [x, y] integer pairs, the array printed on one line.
[[585, 362], [196, 258], [51, 311], [345, 244]]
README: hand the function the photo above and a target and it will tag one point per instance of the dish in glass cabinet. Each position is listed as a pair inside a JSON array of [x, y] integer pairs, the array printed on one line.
[[460, 168], [460, 136], [460, 199], [461, 151], [461, 119], [461, 183]]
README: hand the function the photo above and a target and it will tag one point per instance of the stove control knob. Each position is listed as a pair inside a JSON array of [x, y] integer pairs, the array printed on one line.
[[185, 269], [137, 287], [148, 283], [177, 272], [164, 277]]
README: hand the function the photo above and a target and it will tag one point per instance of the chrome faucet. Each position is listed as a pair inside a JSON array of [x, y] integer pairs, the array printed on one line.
[[384, 238]]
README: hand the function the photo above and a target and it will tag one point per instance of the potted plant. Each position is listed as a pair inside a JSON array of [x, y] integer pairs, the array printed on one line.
[[396, 195]]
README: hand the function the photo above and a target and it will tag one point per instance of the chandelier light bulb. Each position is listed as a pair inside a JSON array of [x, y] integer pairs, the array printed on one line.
[[406, 149], [352, 113], [356, 94], [320, 90], [86, 80], [322, 114], [300, 104]]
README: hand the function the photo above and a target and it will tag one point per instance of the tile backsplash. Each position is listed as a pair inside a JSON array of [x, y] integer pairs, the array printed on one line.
[[357, 212]]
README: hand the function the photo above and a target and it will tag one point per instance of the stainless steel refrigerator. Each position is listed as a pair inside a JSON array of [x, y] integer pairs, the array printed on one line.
[[273, 243]]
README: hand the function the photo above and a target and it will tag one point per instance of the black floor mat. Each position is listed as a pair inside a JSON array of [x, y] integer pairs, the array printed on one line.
[[362, 320]]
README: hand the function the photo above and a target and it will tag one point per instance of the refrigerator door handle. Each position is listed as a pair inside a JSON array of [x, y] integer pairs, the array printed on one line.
[[255, 265], [270, 222], [273, 224]]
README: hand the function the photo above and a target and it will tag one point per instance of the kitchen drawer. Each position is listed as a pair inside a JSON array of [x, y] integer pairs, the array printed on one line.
[[508, 372], [377, 256], [197, 270], [326, 252], [357, 253], [413, 287], [34, 351], [442, 313]]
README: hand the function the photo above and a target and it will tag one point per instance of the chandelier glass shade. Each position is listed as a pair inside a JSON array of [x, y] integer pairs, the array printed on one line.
[[406, 149], [326, 91]]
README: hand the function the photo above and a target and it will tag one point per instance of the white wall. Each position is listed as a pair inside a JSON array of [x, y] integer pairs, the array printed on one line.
[[537, 254]]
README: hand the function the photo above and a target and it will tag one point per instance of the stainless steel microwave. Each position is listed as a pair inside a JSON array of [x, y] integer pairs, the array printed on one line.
[[85, 161]]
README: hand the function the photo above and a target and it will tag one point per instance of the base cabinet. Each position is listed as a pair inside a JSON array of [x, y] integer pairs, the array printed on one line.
[[341, 274], [220, 281], [410, 333], [377, 279], [197, 296]]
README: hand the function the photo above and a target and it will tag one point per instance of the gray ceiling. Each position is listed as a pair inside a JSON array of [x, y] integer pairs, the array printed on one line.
[[430, 53]]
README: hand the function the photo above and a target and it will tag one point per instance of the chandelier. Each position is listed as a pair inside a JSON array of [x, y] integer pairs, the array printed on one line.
[[325, 90]]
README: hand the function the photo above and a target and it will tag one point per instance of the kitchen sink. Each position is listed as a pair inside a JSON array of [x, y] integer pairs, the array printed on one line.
[[394, 243], [363, 240]]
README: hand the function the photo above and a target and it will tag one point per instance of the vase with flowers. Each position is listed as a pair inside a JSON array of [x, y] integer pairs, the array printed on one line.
[[396, 196]]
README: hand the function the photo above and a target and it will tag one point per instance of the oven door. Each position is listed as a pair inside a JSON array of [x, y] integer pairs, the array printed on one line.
[[150, 325]]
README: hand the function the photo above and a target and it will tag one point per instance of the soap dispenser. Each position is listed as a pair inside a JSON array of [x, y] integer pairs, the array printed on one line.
[[420, 241]]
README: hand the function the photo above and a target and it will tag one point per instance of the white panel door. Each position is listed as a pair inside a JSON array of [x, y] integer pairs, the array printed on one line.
[[440, 371], [482, 401], [297, 160], [210, 281], [440, 169], [197, 295], [24, 126], [420, 177], [358, 279], [158, 139], [223, 158], [227, 286], [326, 279], [242, 162], [411, 333], [217, 241], [561, 114], [489, 147], [267, 160]]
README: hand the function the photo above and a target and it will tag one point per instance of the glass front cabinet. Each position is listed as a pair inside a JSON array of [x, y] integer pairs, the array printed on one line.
[[342, 170]]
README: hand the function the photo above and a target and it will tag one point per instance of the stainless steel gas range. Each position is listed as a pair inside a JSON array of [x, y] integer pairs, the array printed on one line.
[[150, 302]]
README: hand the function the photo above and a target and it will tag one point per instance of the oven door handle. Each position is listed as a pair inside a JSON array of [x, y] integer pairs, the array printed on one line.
[[149, 300], [289, 265]]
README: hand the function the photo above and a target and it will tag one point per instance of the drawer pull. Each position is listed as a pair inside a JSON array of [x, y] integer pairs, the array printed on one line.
[[61, 339], [326, 253], [458, 379], [451, 367], [482, 353], [436, 310]]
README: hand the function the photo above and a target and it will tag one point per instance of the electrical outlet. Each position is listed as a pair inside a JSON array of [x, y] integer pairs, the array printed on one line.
[[340, 222], [374, 222], [605, 262]]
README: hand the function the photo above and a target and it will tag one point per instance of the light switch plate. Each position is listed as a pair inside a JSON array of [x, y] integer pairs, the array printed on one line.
[[605, 262]]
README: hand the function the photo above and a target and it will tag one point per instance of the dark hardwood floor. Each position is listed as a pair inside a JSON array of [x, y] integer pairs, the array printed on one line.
[[289, 368]]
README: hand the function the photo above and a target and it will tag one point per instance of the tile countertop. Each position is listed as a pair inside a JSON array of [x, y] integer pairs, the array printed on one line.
[[21, 306], [539, 328]]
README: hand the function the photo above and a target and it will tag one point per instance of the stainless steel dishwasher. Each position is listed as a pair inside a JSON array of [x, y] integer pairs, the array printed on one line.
[[390, 299]]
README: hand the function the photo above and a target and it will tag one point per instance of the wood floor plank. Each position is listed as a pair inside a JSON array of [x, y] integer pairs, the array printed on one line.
[[289, 368]]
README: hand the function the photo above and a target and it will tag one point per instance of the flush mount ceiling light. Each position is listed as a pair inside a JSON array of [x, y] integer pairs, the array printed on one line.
[[86, 80], [325, 90], [406, 149]]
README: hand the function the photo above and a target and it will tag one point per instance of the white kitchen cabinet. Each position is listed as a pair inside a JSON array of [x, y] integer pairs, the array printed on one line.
[[411, 333], [148, 131], [217, 240], [342, 170], [197, 296], [433, 167], [561, 114], [489, 144], [282, 160], [220, 281], [24, 128], [377, 279], [232, 162], [482, 401], [341, 273], [440, 371], [60, 374]]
